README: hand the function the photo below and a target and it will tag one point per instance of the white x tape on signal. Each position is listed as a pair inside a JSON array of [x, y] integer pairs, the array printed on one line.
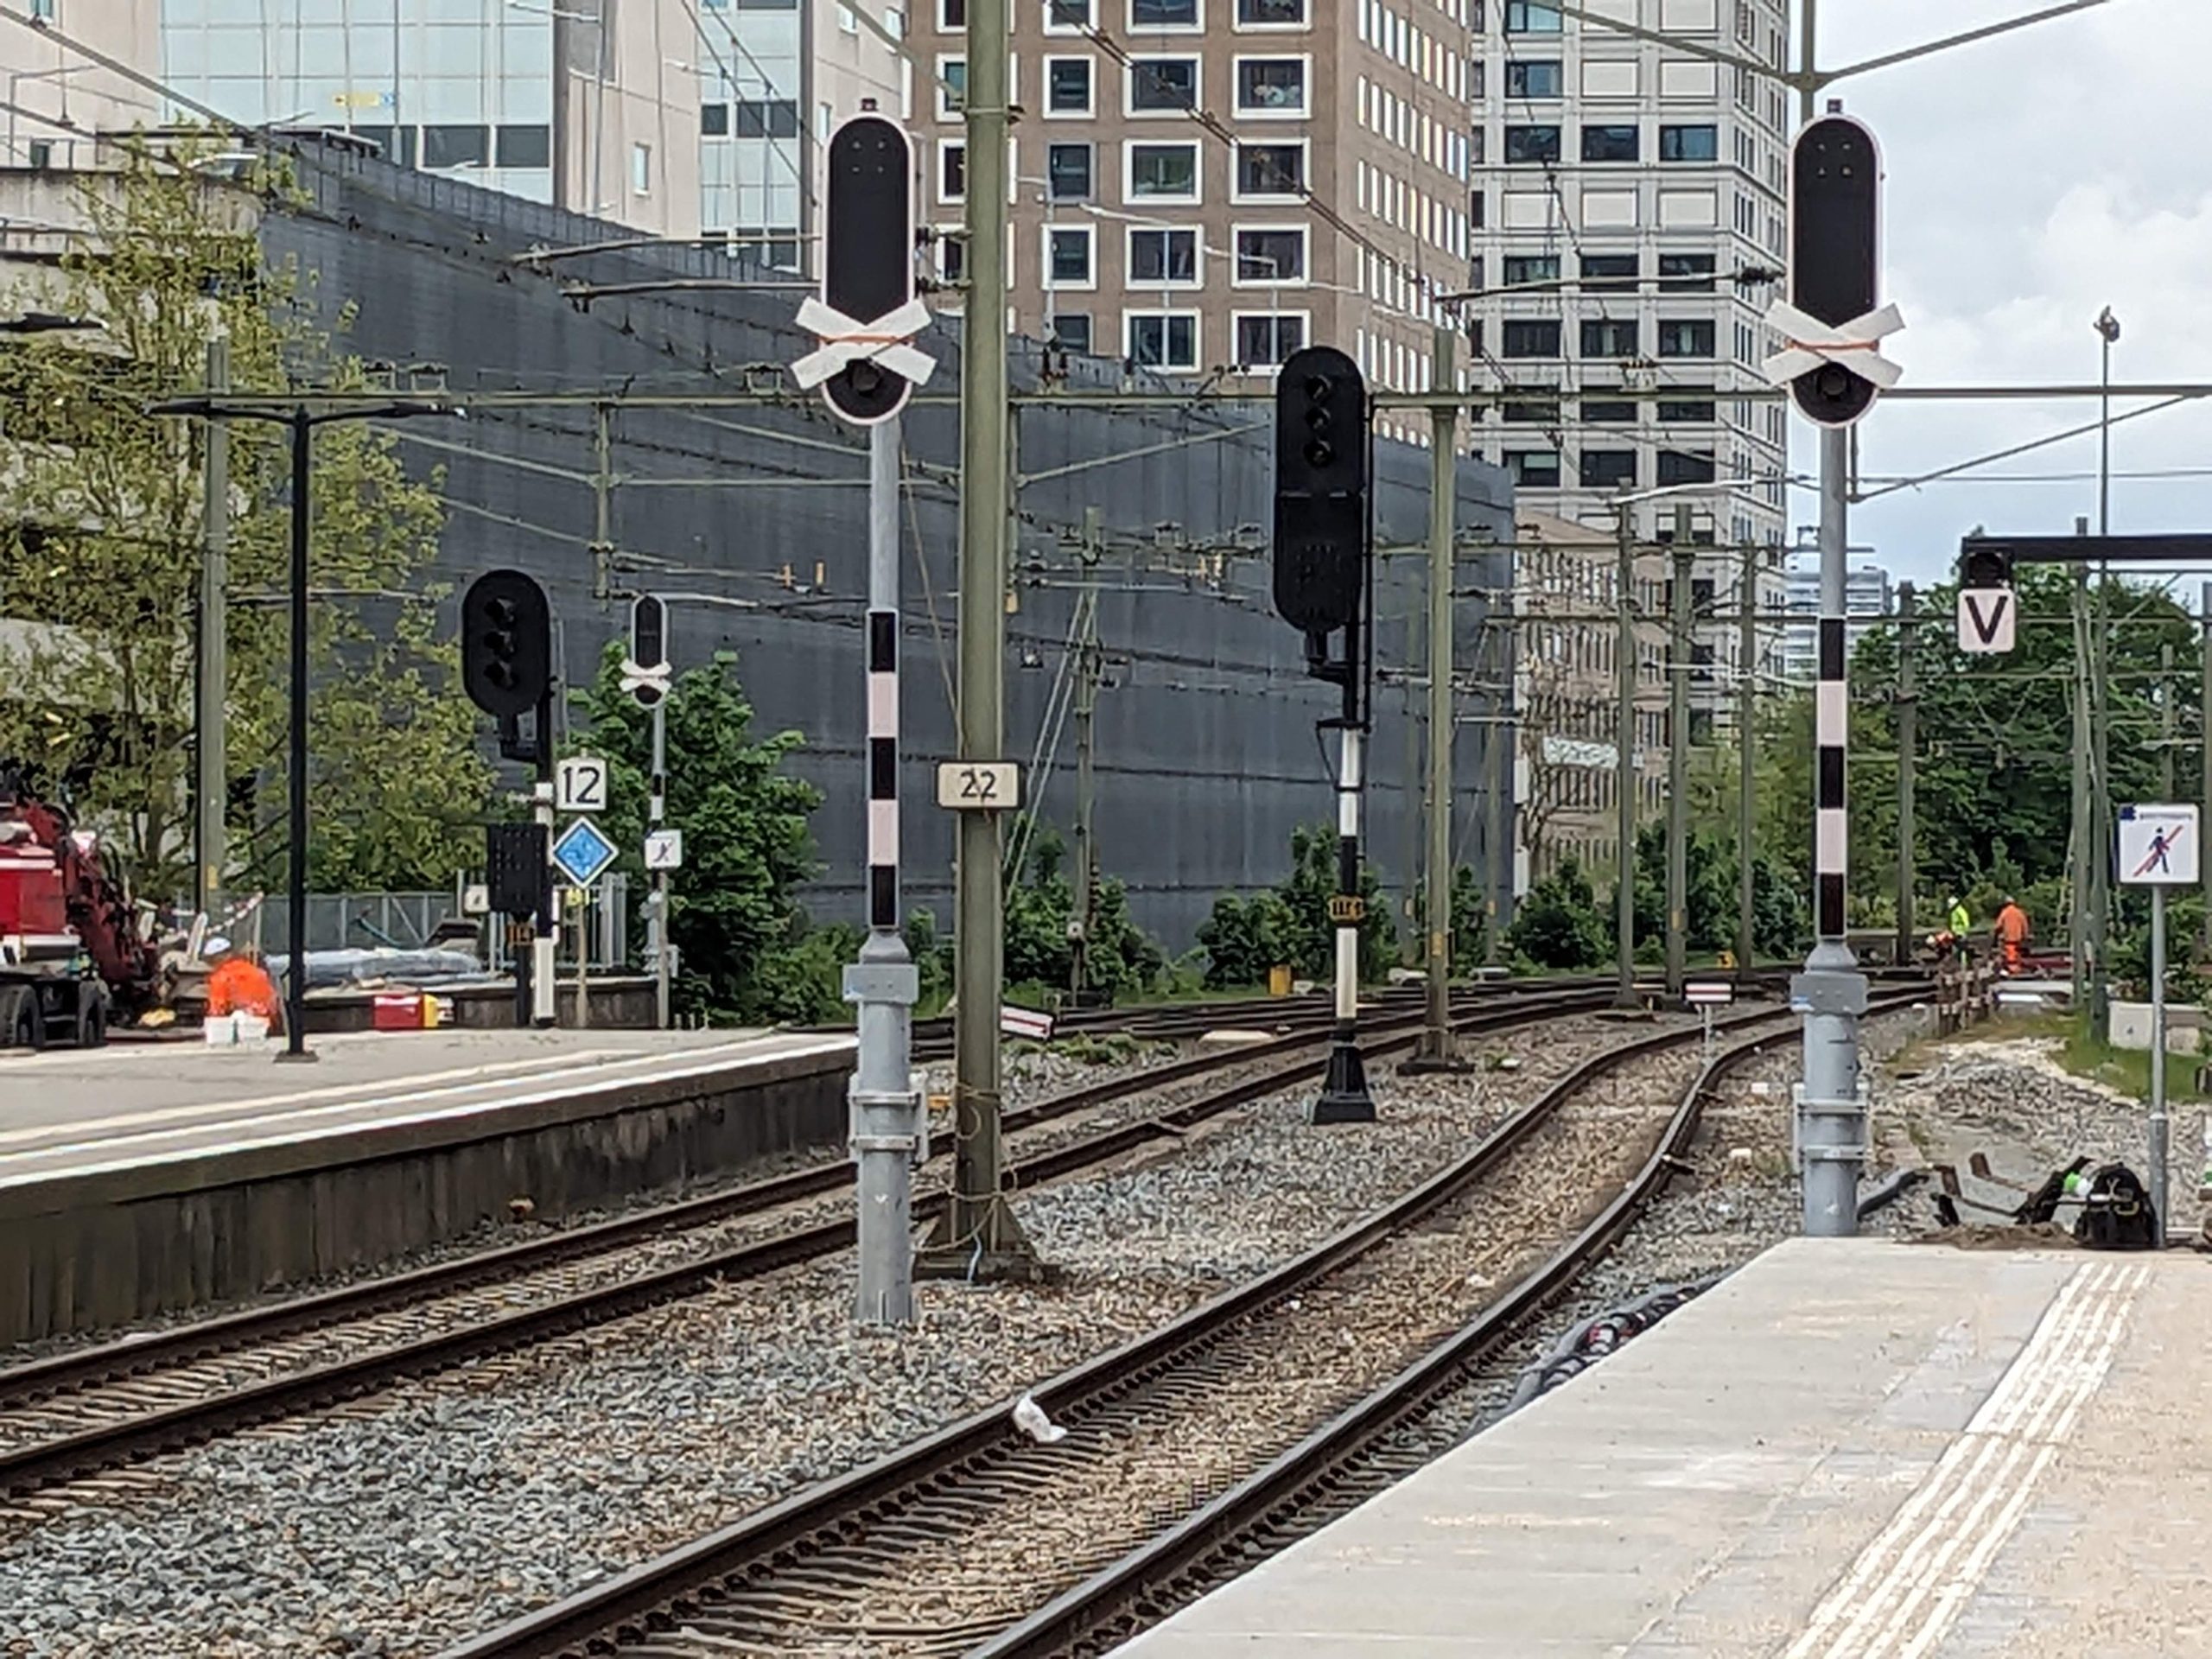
[[845, 341], [1808, 343]]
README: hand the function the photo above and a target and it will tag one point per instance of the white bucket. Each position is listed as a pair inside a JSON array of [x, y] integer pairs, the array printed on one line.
[[236, 1031]]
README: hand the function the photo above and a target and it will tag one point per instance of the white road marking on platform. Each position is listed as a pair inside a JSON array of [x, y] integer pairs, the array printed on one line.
[[484, 1074], [1908, 1586], [697, 1060]]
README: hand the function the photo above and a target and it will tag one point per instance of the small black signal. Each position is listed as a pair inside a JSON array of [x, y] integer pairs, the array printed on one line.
[[506, 643], [868, 262], [1321, 509], [1836, 171]]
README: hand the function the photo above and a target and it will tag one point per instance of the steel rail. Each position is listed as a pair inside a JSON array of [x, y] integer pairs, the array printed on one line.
[[101, 1445], [1197, 1550], [644, 1601]]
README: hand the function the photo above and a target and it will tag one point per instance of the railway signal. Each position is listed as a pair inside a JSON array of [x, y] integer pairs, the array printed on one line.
[[1988, 614], [1320, 521], [1322, 565], [868, 313], [506, 644], [645, 671], [1831, 325]]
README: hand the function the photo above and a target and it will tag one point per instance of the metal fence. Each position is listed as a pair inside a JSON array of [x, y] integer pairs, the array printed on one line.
[[405, 921]]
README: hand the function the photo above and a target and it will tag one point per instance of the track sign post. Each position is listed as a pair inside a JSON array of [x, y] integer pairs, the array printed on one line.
[[1989, 611], [868, 313], [1321, 528], [1831, 324], [506, 644]]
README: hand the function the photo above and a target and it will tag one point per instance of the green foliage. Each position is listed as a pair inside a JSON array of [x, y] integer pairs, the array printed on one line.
[[1778, 926], [1557, 925], [1288, 925], [1121, 960], [105, 515], [744, 949], [1470, 917], [2130, 945]]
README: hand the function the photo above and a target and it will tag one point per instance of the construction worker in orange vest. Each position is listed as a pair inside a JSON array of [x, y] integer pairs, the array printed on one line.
[[2012, 930], [241, 985]]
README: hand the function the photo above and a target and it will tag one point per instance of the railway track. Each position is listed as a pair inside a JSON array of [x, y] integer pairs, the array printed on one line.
[[82, 1412], [957, 1540]]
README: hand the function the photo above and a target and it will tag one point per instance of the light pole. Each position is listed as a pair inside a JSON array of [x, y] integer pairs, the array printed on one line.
[[301, 416], [2096, 857]]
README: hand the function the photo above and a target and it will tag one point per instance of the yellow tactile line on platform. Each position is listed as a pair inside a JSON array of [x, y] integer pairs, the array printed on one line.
[[1908, 1586]]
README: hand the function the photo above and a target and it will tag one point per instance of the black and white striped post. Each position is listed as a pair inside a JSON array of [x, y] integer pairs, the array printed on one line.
[[866, 369], [1832, 328]]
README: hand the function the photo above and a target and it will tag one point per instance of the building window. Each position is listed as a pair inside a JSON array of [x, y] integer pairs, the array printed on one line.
[[1610, 273], [1067, 86], [1529, 413], [1536, 78], [1681, 467], [1067, 172], [1164, 14], [848, 23], [1609, 411], [1534, 469], [713, 120], [1267, 257], [41, 149], [641, 169], [1686, 273], [1163, 257], [1271, 86], [1068, 255], [1608, 469], [1531, 17], [531, 146], [1271, 169], [1476, 203], [1610, 144], [1270, 14], [1690, 337], [1700, 143], [1066, 16], [1163, 85], [1530, 270], [1072, 330], [952, 171], [1162, 340], [1524, 146], [952, 16], [952, 88], [1610, 337], [1167, 170], [1528, 337], [456, 147], [1265, 342], [1478, 148], [1696, 409], [951, 256], [43, 11], [767, 117]]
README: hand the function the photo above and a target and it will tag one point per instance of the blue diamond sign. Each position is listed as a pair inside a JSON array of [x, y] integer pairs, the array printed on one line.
[[584, 852]]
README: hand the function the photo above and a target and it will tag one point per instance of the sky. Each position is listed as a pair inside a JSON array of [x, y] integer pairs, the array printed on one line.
[[2030, 181]]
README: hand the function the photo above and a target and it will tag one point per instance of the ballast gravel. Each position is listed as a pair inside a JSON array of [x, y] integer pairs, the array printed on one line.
[[403, 1523]]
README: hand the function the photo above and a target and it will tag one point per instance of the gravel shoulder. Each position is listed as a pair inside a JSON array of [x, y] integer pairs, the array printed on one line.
[[403, 1522]]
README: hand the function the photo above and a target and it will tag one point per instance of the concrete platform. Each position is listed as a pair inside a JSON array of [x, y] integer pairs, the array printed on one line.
[[1848, 1450], [135, 1180]]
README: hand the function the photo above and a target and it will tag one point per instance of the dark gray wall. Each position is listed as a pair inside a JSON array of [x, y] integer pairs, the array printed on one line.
[[1206, 751]]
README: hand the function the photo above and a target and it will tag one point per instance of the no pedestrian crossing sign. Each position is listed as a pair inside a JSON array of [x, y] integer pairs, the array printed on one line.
[[2158, 846], [583, 851]]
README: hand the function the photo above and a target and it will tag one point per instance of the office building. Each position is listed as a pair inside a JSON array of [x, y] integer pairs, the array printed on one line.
[[1868, 597], [1206, 186], [59, 100], [583, 104]]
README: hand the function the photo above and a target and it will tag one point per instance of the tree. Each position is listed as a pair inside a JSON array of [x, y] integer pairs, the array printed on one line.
[[1557, 925], [103, 510], [745, 947], [1122, 958], [1288, 925]]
